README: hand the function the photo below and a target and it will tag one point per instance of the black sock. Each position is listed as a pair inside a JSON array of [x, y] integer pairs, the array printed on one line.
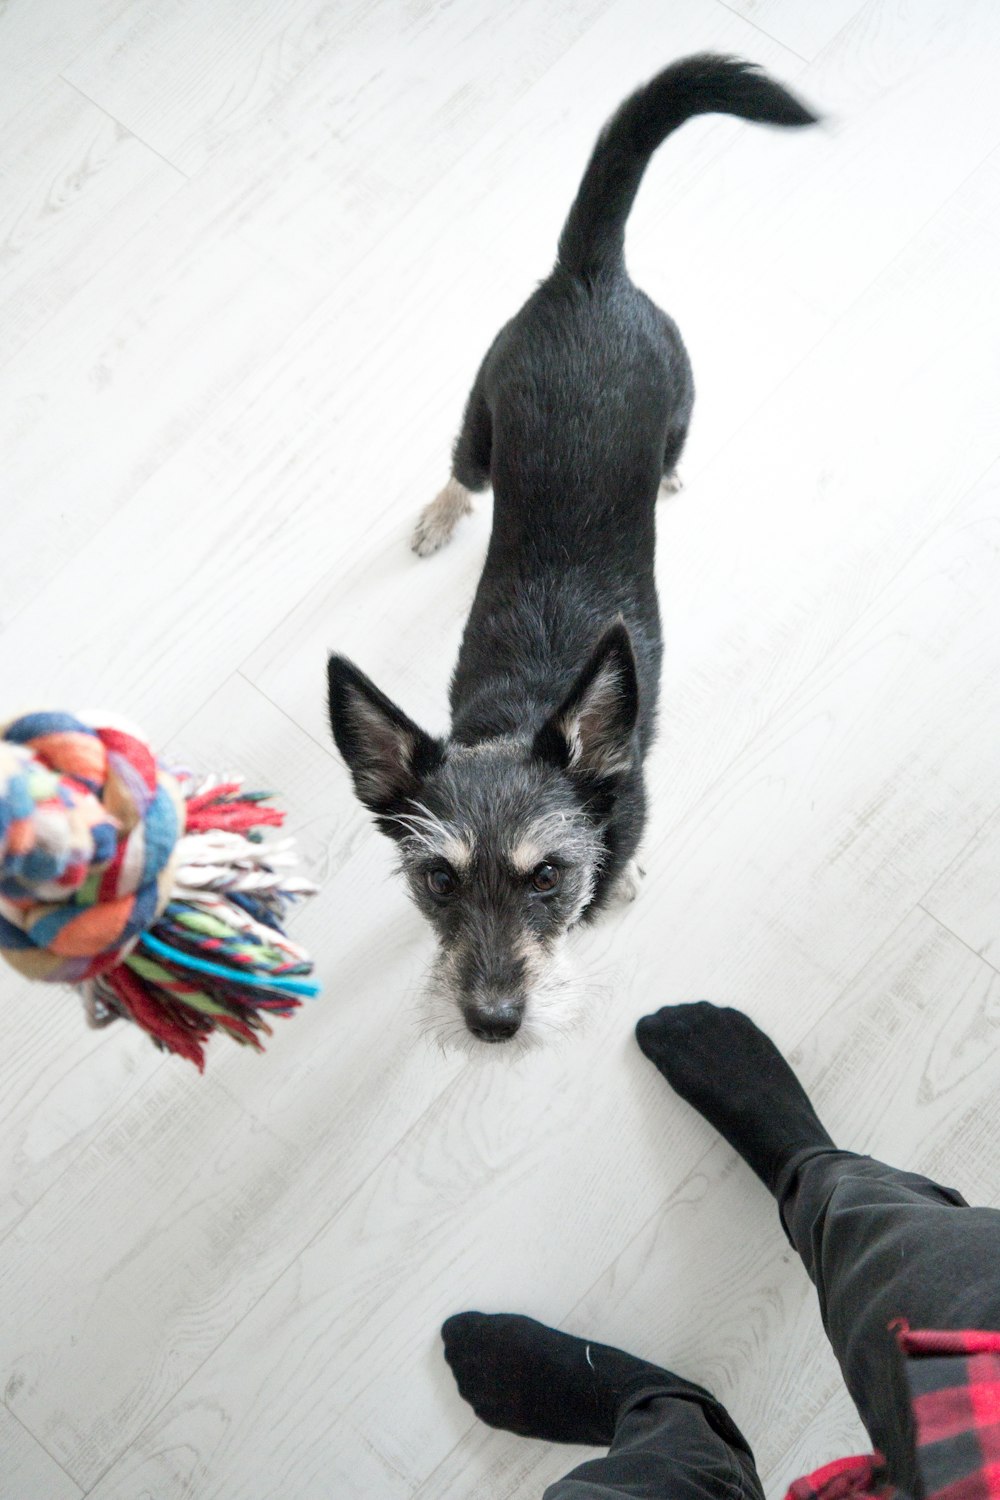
[[734, 1075], [519, 1375]]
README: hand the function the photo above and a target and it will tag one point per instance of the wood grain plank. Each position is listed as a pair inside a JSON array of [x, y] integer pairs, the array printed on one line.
[[182, 76], [177, 1181], [509, 1468], [759, 270], [59, 1085], [75, 185], [806, 26], [187, 79], [26, 1470], [113, 385], [966, 897], [37, 42], [432, 115]]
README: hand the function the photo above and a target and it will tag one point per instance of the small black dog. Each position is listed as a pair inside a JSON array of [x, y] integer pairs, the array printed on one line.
[[530, 813]]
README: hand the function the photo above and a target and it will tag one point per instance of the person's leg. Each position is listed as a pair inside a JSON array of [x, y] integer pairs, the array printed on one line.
[[886, 1249], [880, 1244], [667, 1437], [664, 1449]]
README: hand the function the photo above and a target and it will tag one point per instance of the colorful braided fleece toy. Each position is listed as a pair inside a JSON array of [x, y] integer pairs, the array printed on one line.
[[155, 895]]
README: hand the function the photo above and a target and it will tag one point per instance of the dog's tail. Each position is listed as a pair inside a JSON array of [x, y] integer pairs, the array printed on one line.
[[593, 239]]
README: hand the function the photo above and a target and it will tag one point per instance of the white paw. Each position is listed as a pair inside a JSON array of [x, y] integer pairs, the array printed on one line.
[[439, 519], [671, 483], [629, 882], [429, 535]]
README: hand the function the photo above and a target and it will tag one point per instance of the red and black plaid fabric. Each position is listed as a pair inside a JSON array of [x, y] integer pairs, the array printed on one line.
[[954, 1385], [859, 1478], [954, 1381]]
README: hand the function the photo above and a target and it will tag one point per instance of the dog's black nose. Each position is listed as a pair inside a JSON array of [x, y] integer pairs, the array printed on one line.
[[495, 1023]]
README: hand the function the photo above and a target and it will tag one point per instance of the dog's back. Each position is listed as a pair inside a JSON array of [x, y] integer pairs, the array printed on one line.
[[579, 411]]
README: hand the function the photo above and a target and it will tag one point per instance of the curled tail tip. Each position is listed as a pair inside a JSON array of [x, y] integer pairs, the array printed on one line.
[[791, 110], [743, 83]]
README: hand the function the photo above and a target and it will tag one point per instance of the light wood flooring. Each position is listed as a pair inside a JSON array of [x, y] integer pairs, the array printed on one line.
[[250, 254]]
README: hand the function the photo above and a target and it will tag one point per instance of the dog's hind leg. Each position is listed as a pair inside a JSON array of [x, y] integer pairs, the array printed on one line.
[[629, 882], [470, 472], [679, 387], [671, 481], [672, 450]]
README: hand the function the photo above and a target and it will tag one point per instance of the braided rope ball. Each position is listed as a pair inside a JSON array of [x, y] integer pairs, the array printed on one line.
[[156, 897], [89, 825]]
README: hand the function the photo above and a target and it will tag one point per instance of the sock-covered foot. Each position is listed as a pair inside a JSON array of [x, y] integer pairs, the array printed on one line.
[[734, 1075], [529, 1379]]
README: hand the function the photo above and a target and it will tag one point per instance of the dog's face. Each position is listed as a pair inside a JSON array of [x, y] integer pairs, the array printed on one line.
[[501, 842]]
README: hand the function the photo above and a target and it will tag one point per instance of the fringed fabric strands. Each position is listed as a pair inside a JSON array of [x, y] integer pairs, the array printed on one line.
[[156, 896]]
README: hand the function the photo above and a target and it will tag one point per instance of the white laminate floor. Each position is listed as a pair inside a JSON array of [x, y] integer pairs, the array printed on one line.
[[250, 254]]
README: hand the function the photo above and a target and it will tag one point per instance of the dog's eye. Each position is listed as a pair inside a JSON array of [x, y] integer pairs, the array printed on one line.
[[545, 878], [440, 881]]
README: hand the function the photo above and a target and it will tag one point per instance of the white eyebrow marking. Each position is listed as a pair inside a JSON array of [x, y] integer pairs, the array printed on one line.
[[537, 840], [457, 851], [526, 855], [435, 836]]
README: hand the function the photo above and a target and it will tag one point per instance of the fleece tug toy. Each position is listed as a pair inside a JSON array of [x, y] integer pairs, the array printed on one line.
[[155, 895]]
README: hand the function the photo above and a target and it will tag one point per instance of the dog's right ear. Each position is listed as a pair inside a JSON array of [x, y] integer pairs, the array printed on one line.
[[386, 753], [590, 735]]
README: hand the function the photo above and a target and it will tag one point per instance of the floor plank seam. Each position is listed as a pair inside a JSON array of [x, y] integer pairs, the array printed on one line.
[[57, 311], [328, 749], [123, 1105], [943, 874], [749, 21], [37, 1440], [185, 176], [959, 939]]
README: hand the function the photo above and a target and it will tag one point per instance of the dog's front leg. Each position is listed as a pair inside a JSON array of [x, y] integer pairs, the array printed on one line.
[[439, 519]]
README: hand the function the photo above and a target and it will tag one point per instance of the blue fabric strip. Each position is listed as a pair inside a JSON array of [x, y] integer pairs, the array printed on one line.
[[235, 976]]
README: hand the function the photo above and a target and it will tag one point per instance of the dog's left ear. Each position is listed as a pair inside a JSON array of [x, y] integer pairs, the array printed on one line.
[[590, 734], [386, 753]]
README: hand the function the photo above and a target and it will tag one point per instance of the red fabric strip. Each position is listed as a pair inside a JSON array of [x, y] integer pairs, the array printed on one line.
[[927, 1341]]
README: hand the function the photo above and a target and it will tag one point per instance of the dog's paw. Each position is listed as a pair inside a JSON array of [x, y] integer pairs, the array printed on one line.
[[428, 537], [439, 519], [671, 483], [629, 883], [431, 532]]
